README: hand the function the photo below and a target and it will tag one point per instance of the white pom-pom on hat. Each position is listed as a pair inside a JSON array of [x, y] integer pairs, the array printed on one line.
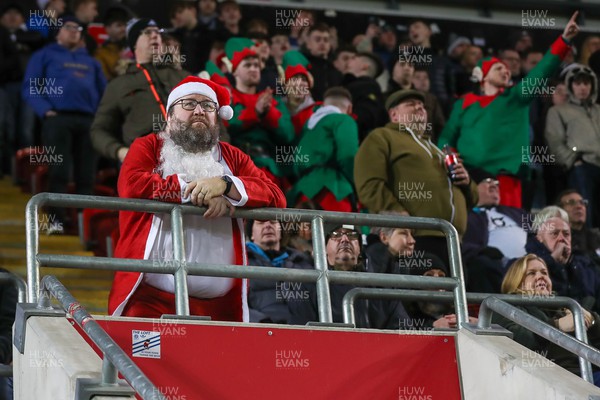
[[477, 74], [226, 113]]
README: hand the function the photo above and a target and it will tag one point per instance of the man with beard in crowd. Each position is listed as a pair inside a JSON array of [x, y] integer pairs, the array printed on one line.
[[187, 163]]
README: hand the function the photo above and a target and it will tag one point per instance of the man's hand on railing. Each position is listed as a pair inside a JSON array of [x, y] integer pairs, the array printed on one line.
[[218, 207]]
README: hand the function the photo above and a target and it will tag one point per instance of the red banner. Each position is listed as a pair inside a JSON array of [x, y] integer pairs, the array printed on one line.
[[225, 361]]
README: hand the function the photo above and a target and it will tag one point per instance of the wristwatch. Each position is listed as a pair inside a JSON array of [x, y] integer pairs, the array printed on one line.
[[229, 182]]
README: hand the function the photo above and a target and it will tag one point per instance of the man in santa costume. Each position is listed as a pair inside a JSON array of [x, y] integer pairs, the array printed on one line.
[[491, 130], [187, 163]]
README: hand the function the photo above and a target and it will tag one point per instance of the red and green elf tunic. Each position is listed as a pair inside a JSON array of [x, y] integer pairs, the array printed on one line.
[[325, 164], [492, 132], [260, 136]]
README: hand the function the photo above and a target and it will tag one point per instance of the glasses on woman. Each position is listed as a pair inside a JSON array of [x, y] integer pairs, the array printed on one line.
[[191, 104]]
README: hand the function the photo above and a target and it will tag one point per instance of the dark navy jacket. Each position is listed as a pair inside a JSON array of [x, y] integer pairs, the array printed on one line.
[[578, 278], [268, 300]]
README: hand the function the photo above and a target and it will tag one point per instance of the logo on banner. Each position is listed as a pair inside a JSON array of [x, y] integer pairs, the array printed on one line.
[[145, 344]]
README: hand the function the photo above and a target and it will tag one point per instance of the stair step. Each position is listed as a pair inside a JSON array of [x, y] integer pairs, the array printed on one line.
[[90, 287]]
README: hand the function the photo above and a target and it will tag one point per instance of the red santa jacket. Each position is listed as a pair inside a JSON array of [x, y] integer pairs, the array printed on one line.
[[138, 179]]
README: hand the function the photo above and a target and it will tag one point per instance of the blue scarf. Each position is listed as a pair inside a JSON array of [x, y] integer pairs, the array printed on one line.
[[277, 261]]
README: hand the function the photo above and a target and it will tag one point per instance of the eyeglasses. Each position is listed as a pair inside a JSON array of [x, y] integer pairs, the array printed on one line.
[[191, 104], [151, 31], [575, 202], [491, 181], [352, 235], [73, 28]]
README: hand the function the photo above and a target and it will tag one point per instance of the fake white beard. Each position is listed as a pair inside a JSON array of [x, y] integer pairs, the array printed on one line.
[[174, 160]]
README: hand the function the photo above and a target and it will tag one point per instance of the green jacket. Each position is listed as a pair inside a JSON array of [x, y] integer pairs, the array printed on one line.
[[128, 108], [325, 155], [492, 132], [395, 170], [261, 137]]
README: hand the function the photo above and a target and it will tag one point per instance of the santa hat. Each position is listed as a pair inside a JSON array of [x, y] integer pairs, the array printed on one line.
[[195, 85], [294, 63], [237, 49], [483, 67]]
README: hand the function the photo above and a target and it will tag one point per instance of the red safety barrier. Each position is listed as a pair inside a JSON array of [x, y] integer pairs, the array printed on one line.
[[226, 361]]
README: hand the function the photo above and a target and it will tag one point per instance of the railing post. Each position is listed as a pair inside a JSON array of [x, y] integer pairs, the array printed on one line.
[[320, 254], [182, 302], [581, 334], [460, 293], [109, 372], [32, 236]]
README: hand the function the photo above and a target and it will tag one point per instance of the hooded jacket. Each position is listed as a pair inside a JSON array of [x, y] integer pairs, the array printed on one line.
[[573, 128], [396, 170]]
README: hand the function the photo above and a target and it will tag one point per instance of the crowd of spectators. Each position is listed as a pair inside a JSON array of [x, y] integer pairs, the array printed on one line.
[[341, 124]]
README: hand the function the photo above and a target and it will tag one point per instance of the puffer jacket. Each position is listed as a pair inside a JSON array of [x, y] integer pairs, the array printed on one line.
[[573, 128]]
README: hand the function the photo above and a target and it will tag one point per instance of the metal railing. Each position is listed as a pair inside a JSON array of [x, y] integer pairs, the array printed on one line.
[[321, 275], [180, 268], [583, 350], [443, 297], [18, 282], [21, 286], [115, 359]]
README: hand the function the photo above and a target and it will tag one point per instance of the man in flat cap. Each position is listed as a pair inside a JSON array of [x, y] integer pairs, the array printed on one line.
[[398, 168]]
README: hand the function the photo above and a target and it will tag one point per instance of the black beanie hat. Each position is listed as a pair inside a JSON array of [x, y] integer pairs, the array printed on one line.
[[135, 28]]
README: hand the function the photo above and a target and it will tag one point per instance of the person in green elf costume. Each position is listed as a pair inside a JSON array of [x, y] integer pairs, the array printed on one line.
[[261, 125], [324, 160], [491, 130], [296, 84]]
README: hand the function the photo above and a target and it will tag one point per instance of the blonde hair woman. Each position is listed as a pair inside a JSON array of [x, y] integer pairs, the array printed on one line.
[[529, 277]]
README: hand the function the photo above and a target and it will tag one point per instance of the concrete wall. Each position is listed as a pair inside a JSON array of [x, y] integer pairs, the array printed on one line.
[[55, 356], [496, 367]]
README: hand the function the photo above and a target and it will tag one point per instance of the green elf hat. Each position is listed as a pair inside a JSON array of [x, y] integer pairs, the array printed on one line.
[[294, 63], [212, 72], [483, 67], [236, 49]]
